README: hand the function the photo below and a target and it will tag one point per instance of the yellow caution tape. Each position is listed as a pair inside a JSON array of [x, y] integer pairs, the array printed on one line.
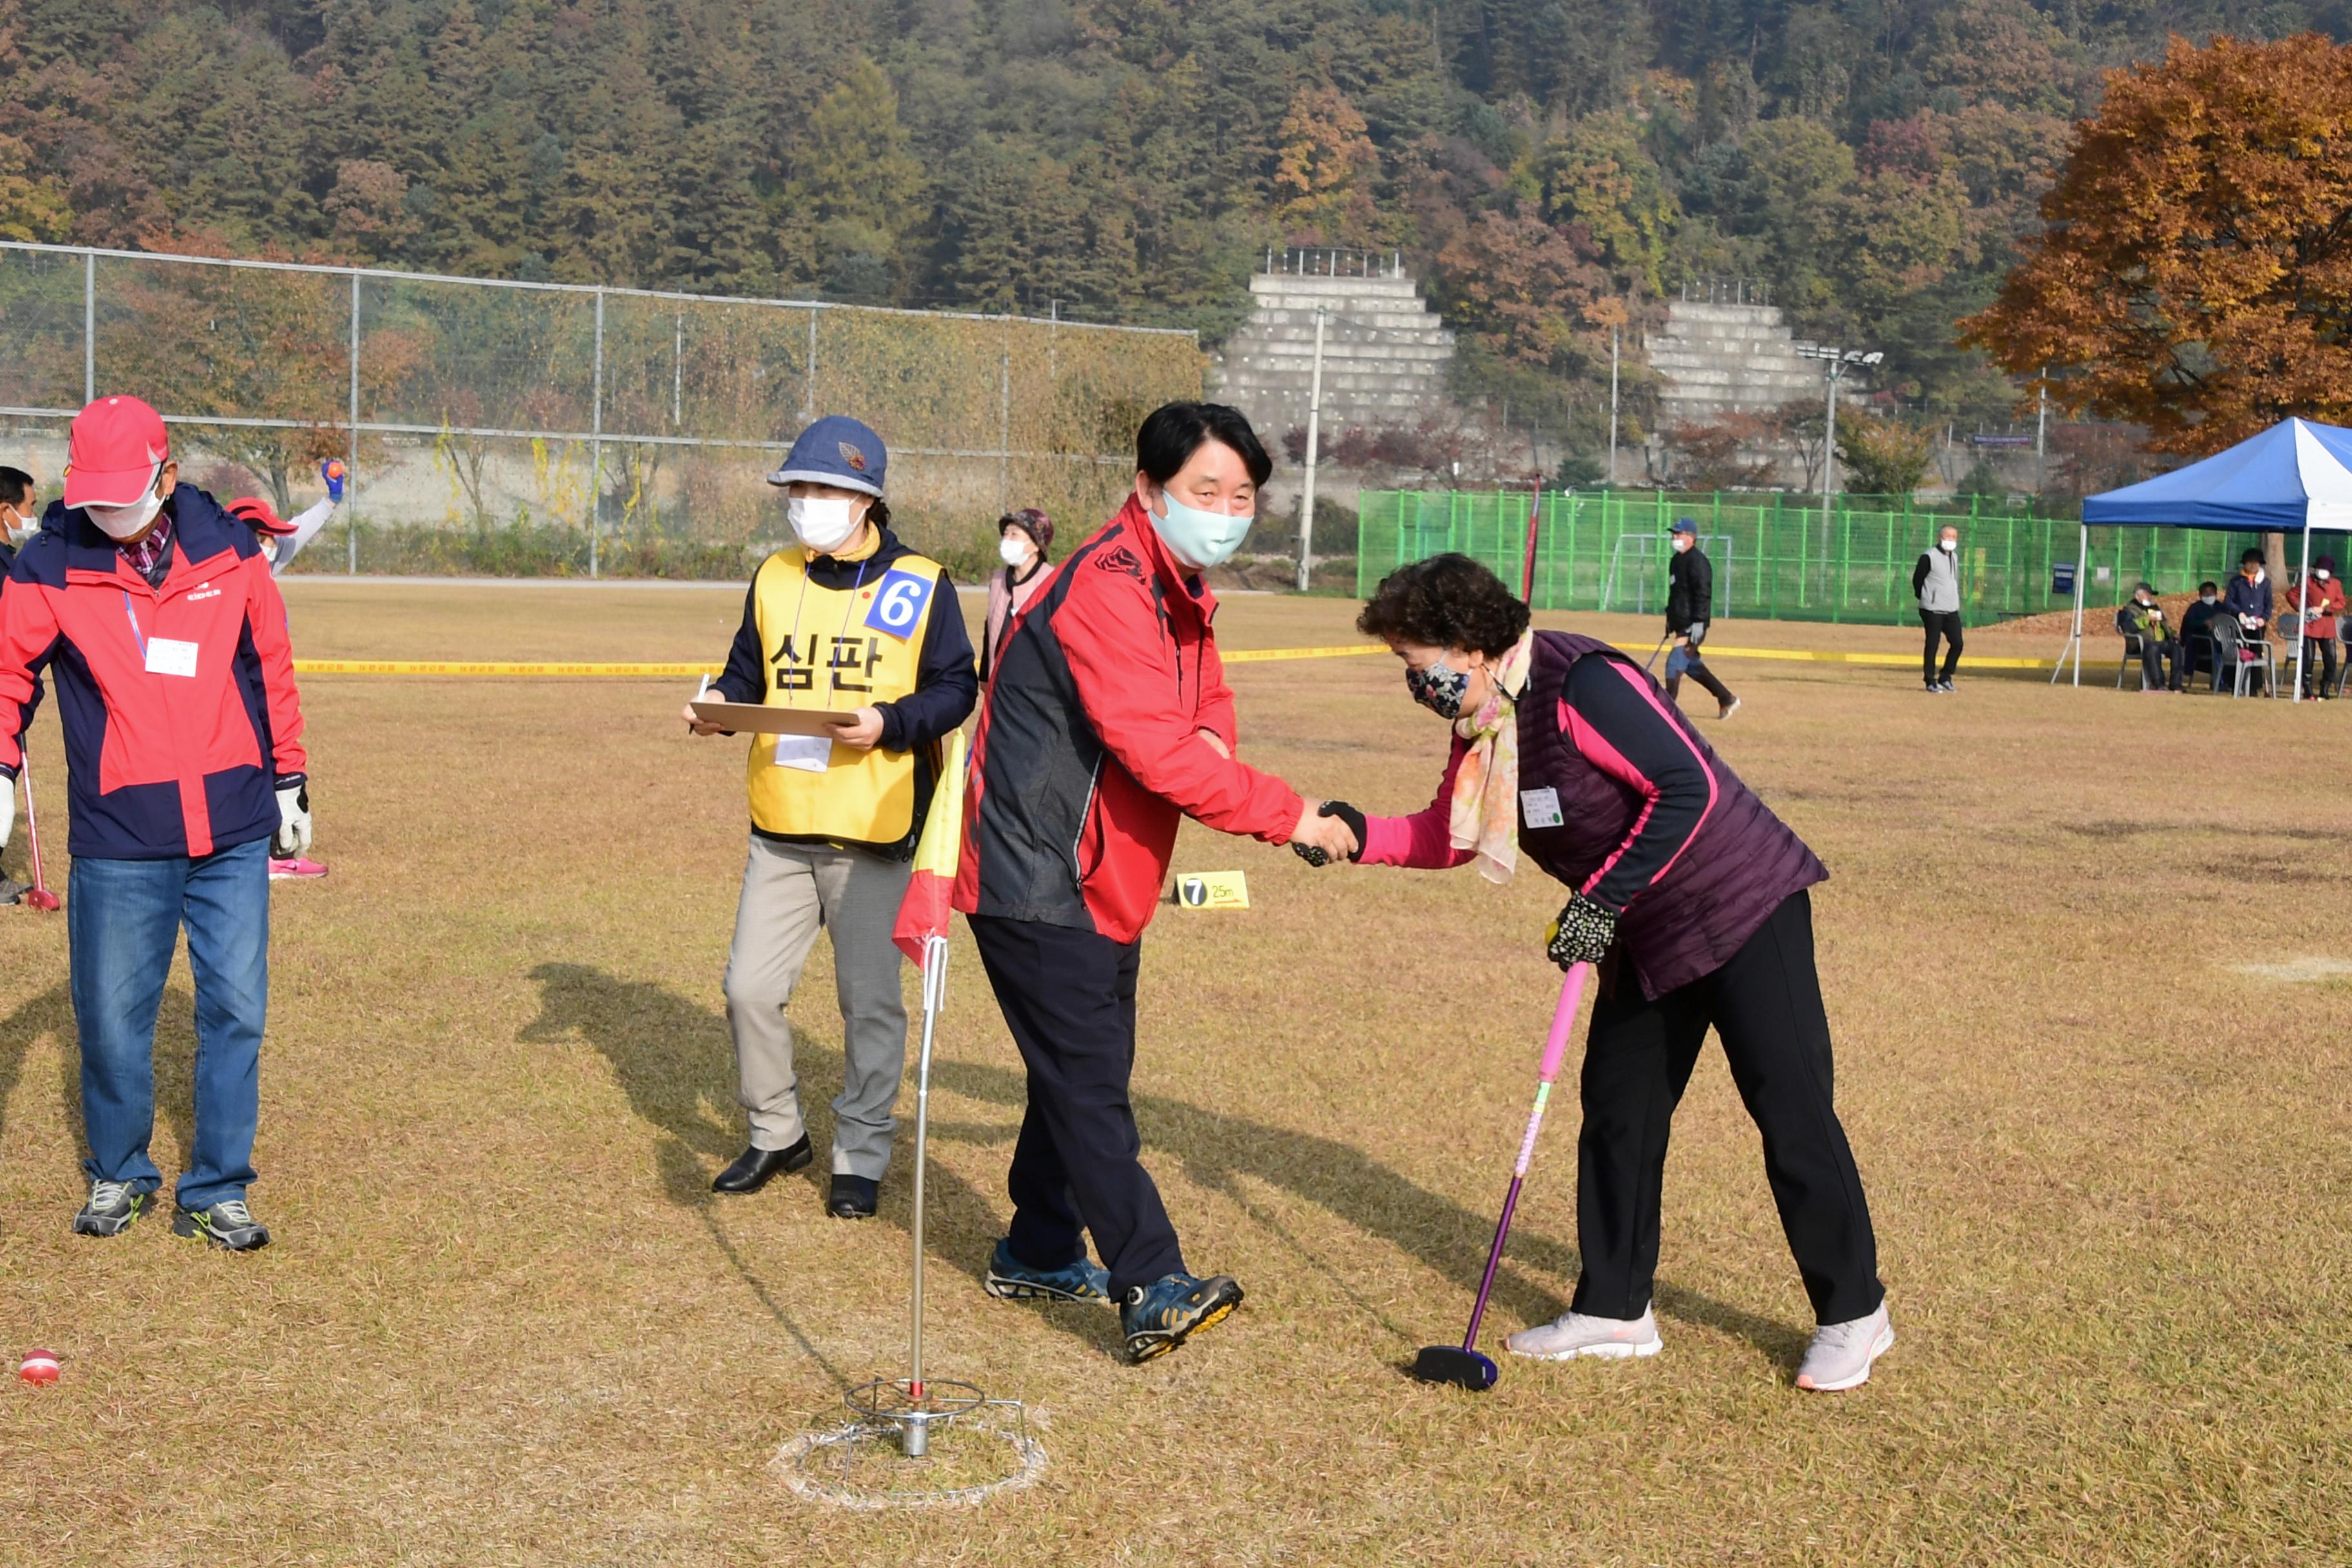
[[680, 669]]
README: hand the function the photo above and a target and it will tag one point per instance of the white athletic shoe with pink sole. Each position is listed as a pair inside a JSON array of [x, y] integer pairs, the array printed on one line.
[[1573, 1334], [1841, 1354]]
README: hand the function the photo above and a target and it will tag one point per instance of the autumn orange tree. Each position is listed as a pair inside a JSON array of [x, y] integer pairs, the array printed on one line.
[[2195, 277]]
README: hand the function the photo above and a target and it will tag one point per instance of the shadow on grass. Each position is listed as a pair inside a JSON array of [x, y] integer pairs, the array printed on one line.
[[676, 1062], [670, 1054], [50, 1012]]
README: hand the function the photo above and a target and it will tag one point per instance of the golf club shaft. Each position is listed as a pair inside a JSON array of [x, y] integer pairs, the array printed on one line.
[[1654, 653], [935, 976], [32, 817], [1563, 1019]]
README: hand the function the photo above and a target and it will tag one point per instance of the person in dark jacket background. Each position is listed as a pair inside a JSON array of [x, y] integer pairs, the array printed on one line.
[[20, 517], [1690, 608], [2196, 632], [1108, 723], [1691, 899], [846, 620]]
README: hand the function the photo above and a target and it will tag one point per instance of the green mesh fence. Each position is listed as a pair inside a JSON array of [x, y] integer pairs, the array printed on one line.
[[1777, 558]]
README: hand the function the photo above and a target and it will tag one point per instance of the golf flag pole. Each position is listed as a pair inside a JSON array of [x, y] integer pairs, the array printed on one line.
[[1535, 523], [921, 934]]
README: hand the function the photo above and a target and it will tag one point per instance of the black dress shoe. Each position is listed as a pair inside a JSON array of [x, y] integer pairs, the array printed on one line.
[[755, 1166], [854, 1197]]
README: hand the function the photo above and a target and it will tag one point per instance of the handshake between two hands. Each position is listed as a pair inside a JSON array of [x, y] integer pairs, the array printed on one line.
[[1327, 830]]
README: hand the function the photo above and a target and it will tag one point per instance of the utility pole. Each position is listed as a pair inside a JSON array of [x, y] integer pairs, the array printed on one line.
[[1834, 364], [1612, 407], [1314, 441], [2040, 431]]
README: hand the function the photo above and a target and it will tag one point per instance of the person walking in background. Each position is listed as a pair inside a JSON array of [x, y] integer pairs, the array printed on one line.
[[1937, 581], [2196, 631], [1108, 723], [280, 541], [1025, 540], [2320, 601], [847, 618], [1690, 601], [2145, 618], [20, 518], [184, 763]]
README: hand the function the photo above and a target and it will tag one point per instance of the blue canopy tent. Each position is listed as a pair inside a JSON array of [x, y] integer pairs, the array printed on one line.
[[2291, 479]]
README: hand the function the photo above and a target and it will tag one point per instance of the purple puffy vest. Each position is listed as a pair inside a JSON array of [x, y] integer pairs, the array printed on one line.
[[1732, 875]]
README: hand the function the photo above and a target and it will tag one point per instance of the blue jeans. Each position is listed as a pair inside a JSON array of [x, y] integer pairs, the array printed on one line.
[[123, 923]]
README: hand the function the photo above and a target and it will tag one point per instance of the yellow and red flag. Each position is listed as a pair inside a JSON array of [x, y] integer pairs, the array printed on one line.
[[923, 913]]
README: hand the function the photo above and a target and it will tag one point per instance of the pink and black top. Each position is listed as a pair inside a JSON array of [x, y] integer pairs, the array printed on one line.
[[1649, 820]]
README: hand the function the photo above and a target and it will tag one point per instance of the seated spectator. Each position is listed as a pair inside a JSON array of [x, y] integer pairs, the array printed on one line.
[[2145, 616], [2321, 600], [2196, 634], [2247, 597]]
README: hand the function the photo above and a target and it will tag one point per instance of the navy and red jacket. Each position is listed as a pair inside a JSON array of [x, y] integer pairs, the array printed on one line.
[[1651, 822], [159, 765], [1089, 751]]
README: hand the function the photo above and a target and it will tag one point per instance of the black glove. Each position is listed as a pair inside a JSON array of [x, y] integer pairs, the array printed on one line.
[[1344, 813], [1582, 933]]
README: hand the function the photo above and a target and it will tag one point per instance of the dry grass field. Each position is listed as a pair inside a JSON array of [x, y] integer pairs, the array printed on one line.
[[2086, 956]]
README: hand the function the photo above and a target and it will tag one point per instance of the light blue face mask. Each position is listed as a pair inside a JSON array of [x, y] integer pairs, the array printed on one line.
[[1201, 539]]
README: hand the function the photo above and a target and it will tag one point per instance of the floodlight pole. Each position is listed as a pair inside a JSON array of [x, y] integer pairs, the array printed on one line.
[[89, 326], [596, 441], [1314, 439], [2075, 637], [351, 465]]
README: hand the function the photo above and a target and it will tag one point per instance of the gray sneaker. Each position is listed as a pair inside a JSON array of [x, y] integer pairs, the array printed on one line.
[[111, 1208], [1841, 1354], [1573, 1334], [228, 1222], [1725, 709]]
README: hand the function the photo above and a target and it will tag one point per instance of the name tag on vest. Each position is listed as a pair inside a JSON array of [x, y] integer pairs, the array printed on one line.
[[1540, 808]]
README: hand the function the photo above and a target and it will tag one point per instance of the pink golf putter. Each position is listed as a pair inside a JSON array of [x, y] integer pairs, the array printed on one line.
[[1464, 1364]]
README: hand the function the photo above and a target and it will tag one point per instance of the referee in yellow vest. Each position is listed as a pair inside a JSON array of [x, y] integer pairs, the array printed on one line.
[[847, 619]]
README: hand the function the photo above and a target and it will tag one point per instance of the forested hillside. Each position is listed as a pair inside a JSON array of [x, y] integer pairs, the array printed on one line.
[[1546, 165]]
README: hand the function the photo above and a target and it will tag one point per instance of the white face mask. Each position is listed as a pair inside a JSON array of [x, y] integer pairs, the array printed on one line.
[[823, 523], [1683, 542], [2209, 598], [1014, 551], [22, 526], [1948, 545], [2322, 573], [122, 523]]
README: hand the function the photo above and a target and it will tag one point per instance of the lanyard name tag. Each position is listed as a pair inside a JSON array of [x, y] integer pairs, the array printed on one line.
[[809, 754], [1541, 807], [169, 656]]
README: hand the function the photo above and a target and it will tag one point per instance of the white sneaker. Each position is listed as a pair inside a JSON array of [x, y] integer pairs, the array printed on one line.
[[1725, 709], [1841, 1354], [1573, 1334]]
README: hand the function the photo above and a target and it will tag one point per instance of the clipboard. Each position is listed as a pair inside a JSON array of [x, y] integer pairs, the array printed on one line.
[[759, 719]]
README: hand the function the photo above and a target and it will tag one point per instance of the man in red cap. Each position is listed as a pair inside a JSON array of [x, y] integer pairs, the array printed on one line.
[[184, 753]]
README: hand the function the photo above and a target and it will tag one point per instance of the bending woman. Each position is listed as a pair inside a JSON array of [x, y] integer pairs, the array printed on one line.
[[1688, 895]]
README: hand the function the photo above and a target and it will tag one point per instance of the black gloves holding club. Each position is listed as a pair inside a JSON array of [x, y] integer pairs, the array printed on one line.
[[1344, 813], [1582, 933]]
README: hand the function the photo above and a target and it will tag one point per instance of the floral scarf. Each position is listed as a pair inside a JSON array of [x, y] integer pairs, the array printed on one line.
[[1486, 812]]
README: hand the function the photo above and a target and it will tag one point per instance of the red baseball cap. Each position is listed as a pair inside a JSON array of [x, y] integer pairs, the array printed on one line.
[[112, 452], [257, 512]]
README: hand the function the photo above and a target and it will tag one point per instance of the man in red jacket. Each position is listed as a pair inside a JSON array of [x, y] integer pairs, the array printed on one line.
[[156, 613], [1106, 720]]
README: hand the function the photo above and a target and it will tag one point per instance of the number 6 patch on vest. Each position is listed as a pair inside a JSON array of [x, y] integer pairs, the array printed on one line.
[[899, 604], [1540, 808]]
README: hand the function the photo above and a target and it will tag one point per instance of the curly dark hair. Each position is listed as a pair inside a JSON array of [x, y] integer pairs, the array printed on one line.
[[1445, 601]]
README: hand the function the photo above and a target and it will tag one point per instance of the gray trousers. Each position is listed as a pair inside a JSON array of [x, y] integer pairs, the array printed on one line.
[[790, 891]]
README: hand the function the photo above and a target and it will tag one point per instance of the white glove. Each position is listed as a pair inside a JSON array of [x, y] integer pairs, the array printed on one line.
[[7, 813], [293, 836]]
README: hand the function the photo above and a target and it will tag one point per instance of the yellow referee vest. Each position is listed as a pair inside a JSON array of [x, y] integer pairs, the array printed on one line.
[[838, 648]]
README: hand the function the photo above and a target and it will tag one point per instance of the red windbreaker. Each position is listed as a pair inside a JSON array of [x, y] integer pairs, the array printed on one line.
[[1088, 749], [178, 702]]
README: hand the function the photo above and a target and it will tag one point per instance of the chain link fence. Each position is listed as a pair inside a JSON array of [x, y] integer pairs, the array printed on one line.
[[541, 427], [1778, 558]]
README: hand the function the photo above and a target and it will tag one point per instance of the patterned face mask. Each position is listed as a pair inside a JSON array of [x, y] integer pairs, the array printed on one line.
[[1440, 688]]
